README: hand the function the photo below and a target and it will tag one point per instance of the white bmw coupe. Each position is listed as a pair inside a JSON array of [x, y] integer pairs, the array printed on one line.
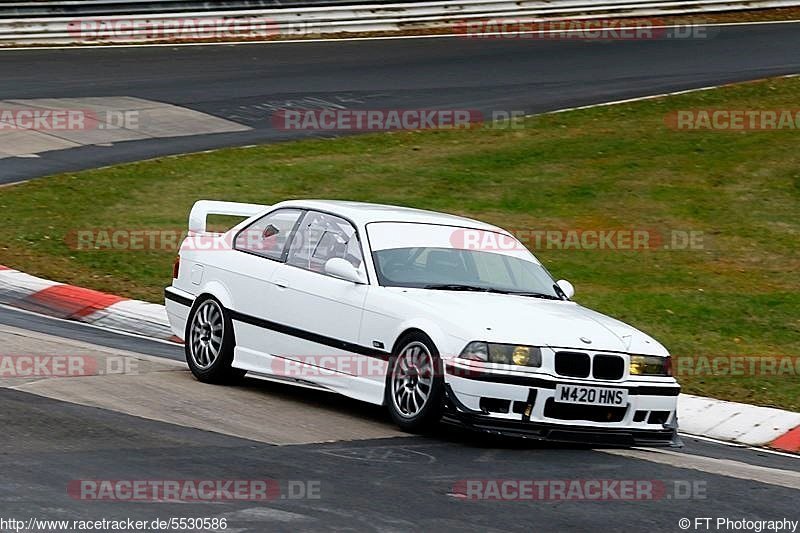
[[433, 315]]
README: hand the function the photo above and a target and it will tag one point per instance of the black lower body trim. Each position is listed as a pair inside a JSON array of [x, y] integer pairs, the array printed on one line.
[[175, 297], [458, 414], [289, 330], [310, 336]]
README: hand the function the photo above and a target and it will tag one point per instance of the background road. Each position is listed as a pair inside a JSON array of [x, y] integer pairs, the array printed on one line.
[[158, 423], [247, 83], [155, 422]]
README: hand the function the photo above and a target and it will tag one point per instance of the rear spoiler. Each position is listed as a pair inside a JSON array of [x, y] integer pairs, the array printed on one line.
[[202, 208]]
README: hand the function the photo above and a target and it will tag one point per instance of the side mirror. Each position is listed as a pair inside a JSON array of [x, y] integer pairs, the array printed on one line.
[[567, 287], [343, 269]]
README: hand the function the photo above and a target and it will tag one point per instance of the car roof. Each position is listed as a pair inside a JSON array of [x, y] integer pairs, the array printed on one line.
[[363, 213]]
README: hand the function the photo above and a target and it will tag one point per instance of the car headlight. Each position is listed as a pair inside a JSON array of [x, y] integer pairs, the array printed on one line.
[[508, 354], [648, 365]]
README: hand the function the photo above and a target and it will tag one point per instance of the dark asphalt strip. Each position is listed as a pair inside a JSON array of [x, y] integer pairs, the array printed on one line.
[[247, 83], [85, 333], [400, 484], [387, 484]]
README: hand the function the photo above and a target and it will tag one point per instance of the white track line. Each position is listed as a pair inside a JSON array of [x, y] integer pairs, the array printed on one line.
[[659, 95], [88, 325], [89, 346], [711, 465], [388, 37], [740, 445]]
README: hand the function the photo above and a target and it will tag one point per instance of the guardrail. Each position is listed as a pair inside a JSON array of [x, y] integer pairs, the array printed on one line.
[[85, 8], [266, 23]]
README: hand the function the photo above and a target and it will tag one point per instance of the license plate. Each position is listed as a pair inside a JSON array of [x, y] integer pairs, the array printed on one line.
[[591, 395]]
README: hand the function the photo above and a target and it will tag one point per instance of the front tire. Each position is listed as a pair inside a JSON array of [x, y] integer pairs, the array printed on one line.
[[415, 384], [209, 342]]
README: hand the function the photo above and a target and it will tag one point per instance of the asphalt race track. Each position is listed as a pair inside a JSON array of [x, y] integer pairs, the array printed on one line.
[[364, 474], [247, 83], [155, 422]]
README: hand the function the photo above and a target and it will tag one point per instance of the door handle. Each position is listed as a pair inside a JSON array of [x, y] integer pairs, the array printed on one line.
[[281, 283]]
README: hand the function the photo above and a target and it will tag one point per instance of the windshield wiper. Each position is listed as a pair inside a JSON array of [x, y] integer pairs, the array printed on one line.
[[536, 295], [478, 288], [460, 287]]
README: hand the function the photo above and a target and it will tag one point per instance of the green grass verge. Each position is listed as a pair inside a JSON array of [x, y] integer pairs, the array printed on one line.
[[607, 168]]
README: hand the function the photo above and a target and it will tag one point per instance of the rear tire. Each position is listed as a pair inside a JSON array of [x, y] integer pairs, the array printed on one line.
[[414, 389], [209, 342]]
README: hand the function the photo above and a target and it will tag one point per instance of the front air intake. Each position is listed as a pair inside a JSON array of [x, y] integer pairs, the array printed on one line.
[[572, 364]]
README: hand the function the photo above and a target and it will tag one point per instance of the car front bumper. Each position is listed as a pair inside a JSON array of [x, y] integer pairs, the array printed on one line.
[[533, 414]]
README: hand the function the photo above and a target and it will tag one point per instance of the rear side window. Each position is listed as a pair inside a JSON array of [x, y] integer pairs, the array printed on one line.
[[268, 235], [321, 237]]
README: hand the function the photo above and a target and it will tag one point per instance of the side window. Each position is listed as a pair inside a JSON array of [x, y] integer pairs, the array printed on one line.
[[321, 237], [267, 236]]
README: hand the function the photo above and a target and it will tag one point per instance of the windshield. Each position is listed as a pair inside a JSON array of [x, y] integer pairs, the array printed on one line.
[[442, 262]]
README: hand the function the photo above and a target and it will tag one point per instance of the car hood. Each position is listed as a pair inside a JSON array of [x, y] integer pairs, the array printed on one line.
[[533, 321]]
